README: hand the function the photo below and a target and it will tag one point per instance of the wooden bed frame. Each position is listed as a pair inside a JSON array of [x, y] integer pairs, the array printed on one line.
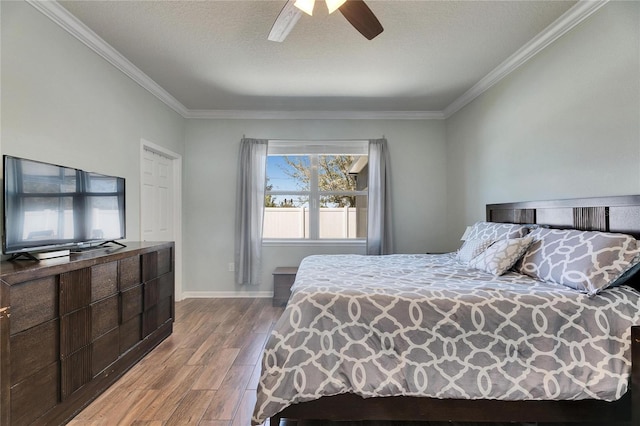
[[611, 214]]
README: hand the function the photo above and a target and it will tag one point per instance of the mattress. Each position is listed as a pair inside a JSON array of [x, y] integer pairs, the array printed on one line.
[[425, 325]]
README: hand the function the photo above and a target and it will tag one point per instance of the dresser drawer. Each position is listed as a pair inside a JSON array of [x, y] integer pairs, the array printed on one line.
[[33, 303], [104, 351], [104, 316], [165, 264], [104, 280], [130, 333], [131, 303], [33, 396], [129, 270], [34, 349]]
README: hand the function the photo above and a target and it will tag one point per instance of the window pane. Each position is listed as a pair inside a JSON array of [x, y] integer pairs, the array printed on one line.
[[334, 174], [345, 222], [288, 172], [286, 216], [328, 200]]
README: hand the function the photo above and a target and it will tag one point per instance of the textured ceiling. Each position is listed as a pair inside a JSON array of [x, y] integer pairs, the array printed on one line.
[[214, 55]]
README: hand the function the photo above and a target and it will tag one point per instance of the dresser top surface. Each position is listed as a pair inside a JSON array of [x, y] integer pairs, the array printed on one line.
[[79, 260]]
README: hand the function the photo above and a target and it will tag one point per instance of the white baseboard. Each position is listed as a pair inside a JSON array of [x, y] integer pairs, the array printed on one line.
[[226, 294]]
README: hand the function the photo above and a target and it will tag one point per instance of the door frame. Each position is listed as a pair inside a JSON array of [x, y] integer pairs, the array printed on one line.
[[176, 161]]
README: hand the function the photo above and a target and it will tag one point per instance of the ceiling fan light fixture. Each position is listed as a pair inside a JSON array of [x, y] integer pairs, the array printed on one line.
[[333, 5], [355, 11], [305, 5]]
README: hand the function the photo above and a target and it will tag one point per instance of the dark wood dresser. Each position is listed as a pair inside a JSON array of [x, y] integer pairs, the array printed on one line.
[[71, 326]]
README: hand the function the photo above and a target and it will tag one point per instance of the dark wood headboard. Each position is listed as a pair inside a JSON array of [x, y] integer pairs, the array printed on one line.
[[608, 214]]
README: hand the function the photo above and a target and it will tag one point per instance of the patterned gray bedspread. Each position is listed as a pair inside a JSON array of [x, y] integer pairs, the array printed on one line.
[[423, 325]]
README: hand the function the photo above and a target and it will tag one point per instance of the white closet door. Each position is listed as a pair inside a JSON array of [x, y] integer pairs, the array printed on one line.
[[157, 197]]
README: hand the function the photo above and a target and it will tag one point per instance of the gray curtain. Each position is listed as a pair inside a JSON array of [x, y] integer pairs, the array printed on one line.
[[379, 233], [252, 165]]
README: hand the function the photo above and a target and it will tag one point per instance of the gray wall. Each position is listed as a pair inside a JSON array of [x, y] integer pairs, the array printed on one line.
[[418, 157], [64, 104], [565, 125]]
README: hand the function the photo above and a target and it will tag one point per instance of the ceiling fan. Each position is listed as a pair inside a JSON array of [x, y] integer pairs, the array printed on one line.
[[356, 12]]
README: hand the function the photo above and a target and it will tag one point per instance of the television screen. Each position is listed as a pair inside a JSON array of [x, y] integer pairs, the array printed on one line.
[[104, 212], [49, 206]]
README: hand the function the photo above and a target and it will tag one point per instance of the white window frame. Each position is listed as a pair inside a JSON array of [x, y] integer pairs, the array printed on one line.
[[314, 149]]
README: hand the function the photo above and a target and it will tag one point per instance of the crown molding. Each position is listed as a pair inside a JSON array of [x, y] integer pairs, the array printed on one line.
[[58, 14], [572, 17], [315, 115]]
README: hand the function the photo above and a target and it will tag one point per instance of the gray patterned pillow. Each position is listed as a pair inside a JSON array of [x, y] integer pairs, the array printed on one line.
[[472, 248], [497, 231], [501, 255], [587, 261], [630, 273]]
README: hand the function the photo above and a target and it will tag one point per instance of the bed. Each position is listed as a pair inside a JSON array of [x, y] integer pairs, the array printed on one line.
[[417, 337]]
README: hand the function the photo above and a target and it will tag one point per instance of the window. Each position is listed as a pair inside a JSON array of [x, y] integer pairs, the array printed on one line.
[[316, 190]]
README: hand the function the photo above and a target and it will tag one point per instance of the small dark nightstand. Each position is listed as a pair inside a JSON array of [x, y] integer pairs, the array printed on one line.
[[283, 278]]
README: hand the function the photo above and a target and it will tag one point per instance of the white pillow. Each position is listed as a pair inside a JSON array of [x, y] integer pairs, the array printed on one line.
[[472, 248], [501, 255]]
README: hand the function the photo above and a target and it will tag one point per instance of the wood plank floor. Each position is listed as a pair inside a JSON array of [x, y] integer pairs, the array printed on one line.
[[206, 373]]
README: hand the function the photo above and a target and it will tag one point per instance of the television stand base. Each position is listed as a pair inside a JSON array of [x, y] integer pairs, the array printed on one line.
[[38, 256], [101, 246], [19, 256], [111, 241]]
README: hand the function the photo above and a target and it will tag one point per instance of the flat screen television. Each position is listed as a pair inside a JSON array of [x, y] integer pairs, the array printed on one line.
[[48, 207]]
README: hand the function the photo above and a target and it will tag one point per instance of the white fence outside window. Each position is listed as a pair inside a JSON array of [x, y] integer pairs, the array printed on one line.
[[293, 222]]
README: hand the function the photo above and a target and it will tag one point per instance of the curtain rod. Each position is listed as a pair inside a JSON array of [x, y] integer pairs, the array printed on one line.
[[319, 140]]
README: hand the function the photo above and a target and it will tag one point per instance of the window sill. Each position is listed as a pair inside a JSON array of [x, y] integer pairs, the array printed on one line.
[[311, 243]]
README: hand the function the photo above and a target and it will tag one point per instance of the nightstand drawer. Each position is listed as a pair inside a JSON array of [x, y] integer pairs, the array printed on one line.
[[283, 278]]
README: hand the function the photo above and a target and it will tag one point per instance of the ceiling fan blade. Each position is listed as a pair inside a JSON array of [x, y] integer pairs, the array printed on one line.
[[285, 22], [362, 18]]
